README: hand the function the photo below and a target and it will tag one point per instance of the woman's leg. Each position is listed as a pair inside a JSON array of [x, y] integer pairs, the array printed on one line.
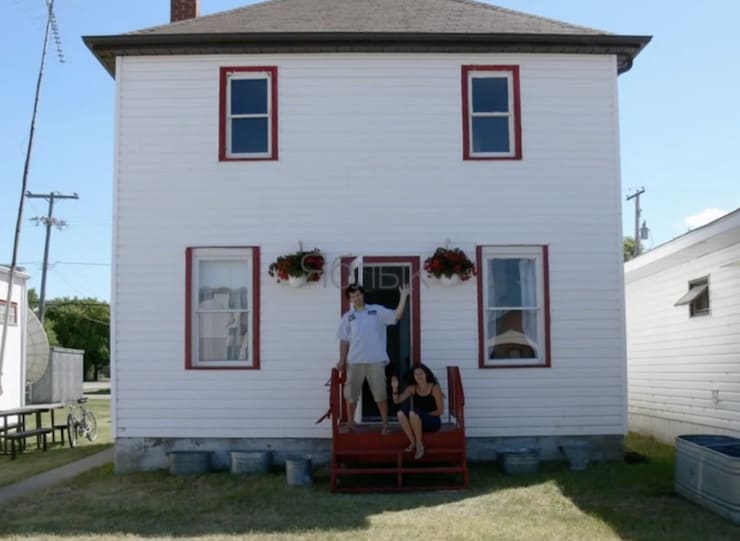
[[403, 420], [415, 422]]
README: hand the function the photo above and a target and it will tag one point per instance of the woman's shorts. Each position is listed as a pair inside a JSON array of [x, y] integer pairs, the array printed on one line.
[[429, 423]]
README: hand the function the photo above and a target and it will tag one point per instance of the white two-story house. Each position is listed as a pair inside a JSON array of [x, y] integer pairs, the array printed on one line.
[[374, 131]]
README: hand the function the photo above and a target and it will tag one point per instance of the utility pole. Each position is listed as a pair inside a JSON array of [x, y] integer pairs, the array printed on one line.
[[48, 221], [636, 197]]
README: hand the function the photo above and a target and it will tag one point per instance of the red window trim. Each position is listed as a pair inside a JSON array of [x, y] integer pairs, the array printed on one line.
[[189, 364], [546, 307], [346, 261], [13, 318], [223, 83], [516, 103]]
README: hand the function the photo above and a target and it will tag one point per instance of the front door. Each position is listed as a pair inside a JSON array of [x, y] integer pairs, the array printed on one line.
[[381, 277]]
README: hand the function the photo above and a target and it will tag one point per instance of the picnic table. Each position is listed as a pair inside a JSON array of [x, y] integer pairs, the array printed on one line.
[[17, 429]]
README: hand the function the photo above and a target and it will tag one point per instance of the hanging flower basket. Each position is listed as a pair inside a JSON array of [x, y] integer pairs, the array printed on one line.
[[298, 268], [449, 281], [450, 265]]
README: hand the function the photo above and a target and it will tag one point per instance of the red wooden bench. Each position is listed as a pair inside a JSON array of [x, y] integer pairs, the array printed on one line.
[[364, 460]]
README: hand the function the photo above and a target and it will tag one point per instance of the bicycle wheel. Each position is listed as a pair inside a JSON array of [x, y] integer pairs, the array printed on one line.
[[72, 431], [89, 425]]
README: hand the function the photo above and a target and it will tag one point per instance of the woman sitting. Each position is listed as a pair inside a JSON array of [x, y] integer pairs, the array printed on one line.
[[424, 412]]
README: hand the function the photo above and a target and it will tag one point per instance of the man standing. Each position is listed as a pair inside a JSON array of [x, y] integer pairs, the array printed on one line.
[[362, 350]]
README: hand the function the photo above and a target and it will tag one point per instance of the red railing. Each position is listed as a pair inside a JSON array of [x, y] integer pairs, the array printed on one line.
[[455, 397]]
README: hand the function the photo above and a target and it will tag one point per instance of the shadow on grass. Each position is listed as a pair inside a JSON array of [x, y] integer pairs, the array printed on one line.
[[635, 501], [638, 501], [158, 504]]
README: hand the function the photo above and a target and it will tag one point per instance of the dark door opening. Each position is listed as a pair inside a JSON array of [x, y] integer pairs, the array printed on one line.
[[381, 283]]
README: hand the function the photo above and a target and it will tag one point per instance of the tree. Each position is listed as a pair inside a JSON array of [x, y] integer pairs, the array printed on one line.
[[82, 324], [33, 299], [630, 248]]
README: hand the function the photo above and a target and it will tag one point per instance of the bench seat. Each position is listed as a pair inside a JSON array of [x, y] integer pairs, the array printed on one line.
[[19, 438]]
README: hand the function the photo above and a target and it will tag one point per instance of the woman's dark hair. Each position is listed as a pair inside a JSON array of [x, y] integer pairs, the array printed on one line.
[[431, 378], [352, 288]]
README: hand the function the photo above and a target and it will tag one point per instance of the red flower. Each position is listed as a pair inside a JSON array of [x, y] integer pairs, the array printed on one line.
[[447, 262], [309, 264]]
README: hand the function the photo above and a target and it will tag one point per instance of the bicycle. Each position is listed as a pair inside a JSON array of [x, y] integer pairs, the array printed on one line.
[[81, 425]]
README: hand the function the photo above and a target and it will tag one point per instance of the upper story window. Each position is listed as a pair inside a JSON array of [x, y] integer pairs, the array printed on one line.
[[697, 297], [248, 113], [13, 316], [491, 113], [514, 326], [222, 319]]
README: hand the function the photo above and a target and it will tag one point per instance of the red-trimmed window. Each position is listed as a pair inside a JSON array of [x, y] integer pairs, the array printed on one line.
[[248, 113], [514, 306], [222, 308], [13, 316], [492, 127]]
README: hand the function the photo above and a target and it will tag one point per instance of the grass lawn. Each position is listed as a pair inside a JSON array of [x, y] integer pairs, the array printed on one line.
[[33, 461], [604, 502]]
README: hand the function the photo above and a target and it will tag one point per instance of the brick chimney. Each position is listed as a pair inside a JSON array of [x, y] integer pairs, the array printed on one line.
[[181, 10]]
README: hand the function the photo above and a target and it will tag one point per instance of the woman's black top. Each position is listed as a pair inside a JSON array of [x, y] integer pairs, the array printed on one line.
[[425, 403]]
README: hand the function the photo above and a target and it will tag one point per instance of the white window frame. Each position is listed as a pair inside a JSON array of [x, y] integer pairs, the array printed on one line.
[[223, 254], [13, 317], [235, 74], [536, 253], [510, 73]]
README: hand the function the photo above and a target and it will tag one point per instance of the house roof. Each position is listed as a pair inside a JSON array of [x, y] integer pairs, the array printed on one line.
[[712, 237], [366, 26]]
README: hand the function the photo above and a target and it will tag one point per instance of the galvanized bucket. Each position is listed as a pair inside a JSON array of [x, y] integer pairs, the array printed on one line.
[[298, 471], [189, 462], [520, 461], [250, 462]]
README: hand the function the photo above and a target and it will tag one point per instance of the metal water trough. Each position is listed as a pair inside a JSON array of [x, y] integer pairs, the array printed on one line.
[[708, 472]]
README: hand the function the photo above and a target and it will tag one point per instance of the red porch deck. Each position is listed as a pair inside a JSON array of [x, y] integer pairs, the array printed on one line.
[[365, 460]]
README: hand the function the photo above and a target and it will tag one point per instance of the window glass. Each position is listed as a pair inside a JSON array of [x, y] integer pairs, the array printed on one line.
[[223, 336], [490, 95], [248, 113], [222, 319], [513, 322], [511, 282], [491, 134], [222, 284], [491, 111], [697, 297], [249, 135], [512, 334], [248, 96]]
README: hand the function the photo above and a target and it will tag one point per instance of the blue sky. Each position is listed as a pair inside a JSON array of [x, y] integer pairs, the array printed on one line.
[[678, 113]]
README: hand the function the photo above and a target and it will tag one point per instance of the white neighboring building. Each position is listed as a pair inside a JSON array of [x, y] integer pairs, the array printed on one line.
[[12, 364], [683, 334], [376, 131]]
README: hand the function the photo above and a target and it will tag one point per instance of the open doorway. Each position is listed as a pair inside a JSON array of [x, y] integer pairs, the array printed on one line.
[[381, 278]]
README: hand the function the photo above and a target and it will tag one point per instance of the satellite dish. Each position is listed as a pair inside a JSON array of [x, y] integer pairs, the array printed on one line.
[[37, 349]]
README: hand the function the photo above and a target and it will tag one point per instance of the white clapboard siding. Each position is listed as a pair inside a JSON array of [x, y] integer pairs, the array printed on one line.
[[684, 373], [370, 151], [12, 372]]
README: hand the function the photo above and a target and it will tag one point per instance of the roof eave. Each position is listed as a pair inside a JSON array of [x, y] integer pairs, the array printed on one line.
[[107, 48]]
